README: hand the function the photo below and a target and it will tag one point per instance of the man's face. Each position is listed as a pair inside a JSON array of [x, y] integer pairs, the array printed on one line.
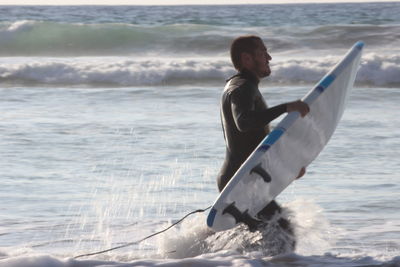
[[261, 60]]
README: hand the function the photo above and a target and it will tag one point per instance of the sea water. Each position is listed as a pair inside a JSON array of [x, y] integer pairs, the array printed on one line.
[[110, 132]]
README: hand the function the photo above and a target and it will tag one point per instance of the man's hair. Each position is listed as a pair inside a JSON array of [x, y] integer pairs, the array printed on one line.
[[243, 44]]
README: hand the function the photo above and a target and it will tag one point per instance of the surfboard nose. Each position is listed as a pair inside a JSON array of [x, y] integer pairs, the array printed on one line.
[[359, 44], [211, 217]]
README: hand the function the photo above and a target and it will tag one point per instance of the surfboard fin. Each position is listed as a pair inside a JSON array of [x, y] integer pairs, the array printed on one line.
[[260, 171], [243, 217]]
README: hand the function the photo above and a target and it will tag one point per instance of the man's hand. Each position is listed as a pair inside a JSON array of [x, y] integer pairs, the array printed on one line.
[[299, 106], [301, 173]]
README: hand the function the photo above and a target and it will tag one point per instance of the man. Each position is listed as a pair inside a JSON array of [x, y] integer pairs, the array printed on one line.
[[244, 113]]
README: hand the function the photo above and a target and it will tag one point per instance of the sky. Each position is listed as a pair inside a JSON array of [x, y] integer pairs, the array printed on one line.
[[170, 2]]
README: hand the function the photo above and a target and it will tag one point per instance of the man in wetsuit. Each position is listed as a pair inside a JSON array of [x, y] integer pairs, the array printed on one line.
[[244, 113]]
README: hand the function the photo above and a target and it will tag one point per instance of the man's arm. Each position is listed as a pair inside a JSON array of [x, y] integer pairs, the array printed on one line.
[[246, 119]]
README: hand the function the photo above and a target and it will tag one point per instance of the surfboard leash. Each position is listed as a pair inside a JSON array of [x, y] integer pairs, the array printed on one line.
[[145, 238]]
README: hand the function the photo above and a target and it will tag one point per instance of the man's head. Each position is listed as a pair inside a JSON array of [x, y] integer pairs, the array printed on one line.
[[249, 53]]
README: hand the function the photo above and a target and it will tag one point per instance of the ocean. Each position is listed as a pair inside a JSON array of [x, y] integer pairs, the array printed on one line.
[[110, 132]]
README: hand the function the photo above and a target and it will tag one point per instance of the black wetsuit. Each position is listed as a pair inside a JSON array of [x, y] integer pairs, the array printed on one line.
[[245, 119]]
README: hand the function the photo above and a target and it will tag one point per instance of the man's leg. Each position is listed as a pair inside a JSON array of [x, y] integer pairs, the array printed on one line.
[[269, 211]]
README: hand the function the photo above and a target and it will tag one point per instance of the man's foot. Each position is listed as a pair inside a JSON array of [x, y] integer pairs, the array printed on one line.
[[269, 211]]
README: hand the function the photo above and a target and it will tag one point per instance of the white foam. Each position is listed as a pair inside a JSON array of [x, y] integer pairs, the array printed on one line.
[[192, 244], [112, 71], [314, 234], [223, 258], [187, 240], [20, 26], [376, 70], [379, 69]]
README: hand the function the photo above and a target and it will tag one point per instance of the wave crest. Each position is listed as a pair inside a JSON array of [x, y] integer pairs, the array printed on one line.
[[42, 38], [116, 71]]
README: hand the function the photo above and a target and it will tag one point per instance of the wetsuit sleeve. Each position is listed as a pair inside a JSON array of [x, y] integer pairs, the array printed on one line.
[[247, 119]]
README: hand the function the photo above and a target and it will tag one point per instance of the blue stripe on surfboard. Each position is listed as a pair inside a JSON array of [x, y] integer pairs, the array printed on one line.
[[264, 147], [211, 217], [272, 138], [327, 81], [320, 88]]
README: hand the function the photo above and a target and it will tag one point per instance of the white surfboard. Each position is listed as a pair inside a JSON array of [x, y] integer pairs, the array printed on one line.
[[293, 144]]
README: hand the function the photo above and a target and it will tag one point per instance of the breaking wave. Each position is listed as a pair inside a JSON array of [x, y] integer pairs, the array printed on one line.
[[44, 38], [376, 70]]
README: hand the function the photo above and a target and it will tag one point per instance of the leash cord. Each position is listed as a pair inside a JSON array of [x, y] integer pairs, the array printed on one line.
[[143, 239]]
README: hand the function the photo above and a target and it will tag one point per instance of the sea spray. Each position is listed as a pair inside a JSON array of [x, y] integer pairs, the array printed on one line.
[[193, 238], [313, 232], [185, 240]]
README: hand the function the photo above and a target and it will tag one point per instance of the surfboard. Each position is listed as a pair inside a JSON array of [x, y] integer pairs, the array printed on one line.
[[294, 143]]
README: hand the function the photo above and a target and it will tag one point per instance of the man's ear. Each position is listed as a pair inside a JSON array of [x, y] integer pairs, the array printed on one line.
[[247, 60]]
